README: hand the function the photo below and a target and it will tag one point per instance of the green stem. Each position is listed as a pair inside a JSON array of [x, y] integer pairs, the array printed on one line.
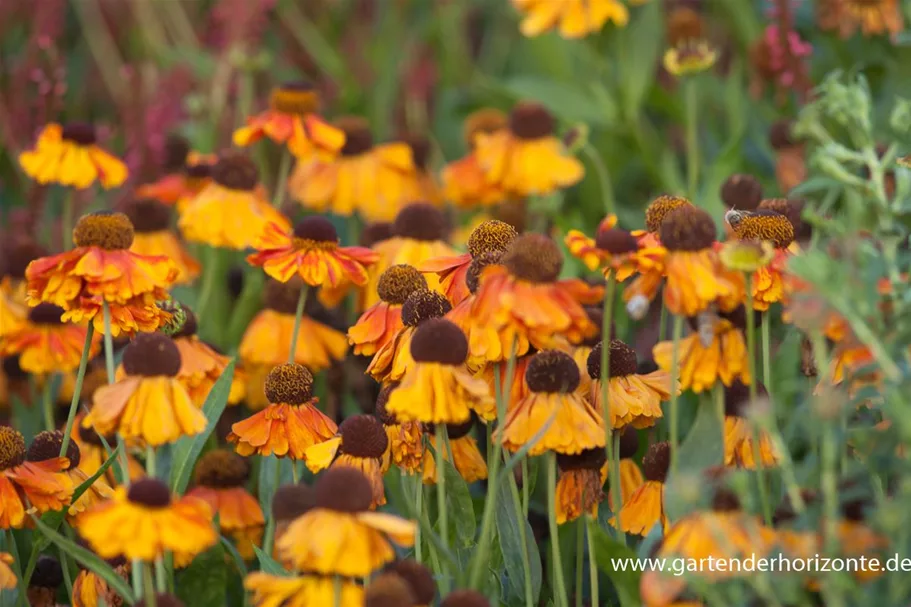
[[47, 404], [66, 219], [65, 567], [692, 137], [592, 561], [148, 588], [604, 180], [22, 599], [556, 559], [718, 394], [757, 454], [109, 367], [150, 461], [337, 591], [213, 271], [281, 181], [442, 512], [161, 576], [298, 315], [136, 574], [580, 558], [521, 518], [419, 505], [606, 320], [526, 488], [767, 356], [674, 404], [77, 388], [269, 533], [618, 493], [295, 472], [245, 307]]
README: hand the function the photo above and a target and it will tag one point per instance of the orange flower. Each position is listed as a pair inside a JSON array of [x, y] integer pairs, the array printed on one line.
[[492, 236], [311, 251], [635, 399], [766, 226], [523, 297], [46, 345], [579, 488], [93, 453], [464, 181], [518, 388], [67, 155], [292, 119], [46, 448], [15, 256], [418, 236], [645, 507], [527, 159], [89, 589], [406, 438], [573, 18], [181, 186], [806, 309], [153, 237], [393, 359], [231, 211], [873, 17], [716, 351], [381, 322], [290, 424], [102, 269], [361, 443], [267, 340], [466, 457], [362, 178], [220, 478], [615, 252], [740, 435], [42, 485], [149, 402], [567, 423], [408, 176], [8, 579]]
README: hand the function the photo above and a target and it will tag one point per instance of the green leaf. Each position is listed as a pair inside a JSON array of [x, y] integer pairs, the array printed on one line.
[[460, 506], [510, 539], [703, 448], [626, 583], [571, 102], [89, 560], [639, 49], [273, 473], [205, 582], [187, 449], [267, 564]]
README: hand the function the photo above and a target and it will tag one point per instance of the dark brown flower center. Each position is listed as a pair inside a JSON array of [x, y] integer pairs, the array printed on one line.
[[725, 500], [91, 437], [235, 171], [343, 489], [18, 252], [420, 150], [629, 443], [424, 305], [290, 384], [382, 399], [534, 258], [737, 398], [47, 574], [282, 296], [764, 224], [388, 590], [656, 462], [299, 98], [552, 371], [438, 340], [492, 236], [398, 282], [12, 448], [473, 275], [358, 138], [485, 120], [688, 228], [198, 172], [221, 468], [46, 445], [589, 459], [363, 436], [456, 431], [419, 579], [46, 314], [742, 192], [616, 241], [780, 134], [659, 208], [317, 229], [147, 215], [420, 221], [465, 598], [375, 232], [622, 360], [149, 492], [291, 501], [105, 229], [530, 120], [176, 150], [80, 133], [150, 355]]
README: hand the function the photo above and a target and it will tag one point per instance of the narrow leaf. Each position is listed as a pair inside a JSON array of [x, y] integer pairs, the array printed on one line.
[[458, 502], [188, 448], [626, 583], [205, 582], [89, 560], [267, 564], [510, 538]]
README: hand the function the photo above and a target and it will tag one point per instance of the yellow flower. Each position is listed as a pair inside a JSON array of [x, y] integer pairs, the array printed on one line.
[[144, 521], [568, 423], [635, 399], [579, 488], [44, 344], [89, 589], [291, 424], [17, 253], [301, 591], [340, 536], [438, 388], [380, 323], [7, 577], [41, 485], [220, 479], [361, 443], [527, 159], [689, 57], [645, 507], [466, 457], [740, 434], [231, 211], [149, 403], [406, 439], [152, 236], [67, 155], [102, 269], [573, 18], [464, 180]]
